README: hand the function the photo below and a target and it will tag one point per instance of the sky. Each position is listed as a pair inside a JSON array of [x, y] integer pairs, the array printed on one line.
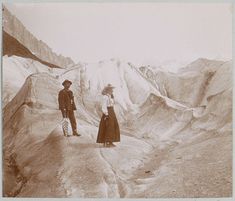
[[137, 32]]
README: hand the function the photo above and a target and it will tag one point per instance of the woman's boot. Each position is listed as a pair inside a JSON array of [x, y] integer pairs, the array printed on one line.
[[112, 145]]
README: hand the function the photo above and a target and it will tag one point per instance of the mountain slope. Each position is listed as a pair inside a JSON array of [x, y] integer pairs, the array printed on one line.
[[202, 65], [17, 30], [11, 46]]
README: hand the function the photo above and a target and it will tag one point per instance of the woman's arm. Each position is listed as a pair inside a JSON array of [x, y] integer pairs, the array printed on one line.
[[105, 105]]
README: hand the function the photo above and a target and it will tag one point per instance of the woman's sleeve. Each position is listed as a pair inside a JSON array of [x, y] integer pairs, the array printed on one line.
[[105, 105]]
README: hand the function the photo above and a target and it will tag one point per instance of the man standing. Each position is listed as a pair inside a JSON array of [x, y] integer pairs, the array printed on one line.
[[67, 105]]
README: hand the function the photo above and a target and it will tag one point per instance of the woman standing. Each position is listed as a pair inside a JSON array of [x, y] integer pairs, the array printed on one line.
[[108, 129]]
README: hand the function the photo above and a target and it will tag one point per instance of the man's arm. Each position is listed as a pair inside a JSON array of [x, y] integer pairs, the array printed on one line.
[[62, 103], [72, 97], [72, 100]]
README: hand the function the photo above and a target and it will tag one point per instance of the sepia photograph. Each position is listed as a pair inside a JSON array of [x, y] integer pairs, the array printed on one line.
[[117, 99]]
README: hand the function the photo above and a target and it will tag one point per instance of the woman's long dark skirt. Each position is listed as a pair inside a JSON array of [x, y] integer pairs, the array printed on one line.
[[108, 128]]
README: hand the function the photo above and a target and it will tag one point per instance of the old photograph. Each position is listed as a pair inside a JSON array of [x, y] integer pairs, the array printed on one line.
[[117, 100]]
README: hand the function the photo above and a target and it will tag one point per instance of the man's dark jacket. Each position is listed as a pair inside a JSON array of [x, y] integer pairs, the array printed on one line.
[[66, 100]]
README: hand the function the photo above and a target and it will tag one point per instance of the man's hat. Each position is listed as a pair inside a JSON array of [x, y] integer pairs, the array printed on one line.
[[68, 81]]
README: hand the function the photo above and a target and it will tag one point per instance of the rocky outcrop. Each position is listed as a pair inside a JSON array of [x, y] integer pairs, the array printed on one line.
[[16, 29]]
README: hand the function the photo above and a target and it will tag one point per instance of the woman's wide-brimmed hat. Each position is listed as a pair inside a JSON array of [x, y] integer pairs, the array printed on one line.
[[107, 88], [66, 81]]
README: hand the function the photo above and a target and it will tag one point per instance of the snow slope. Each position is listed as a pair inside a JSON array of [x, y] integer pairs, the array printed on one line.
[[167, 148], [15, 70], [190, 84], [93, 77]]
